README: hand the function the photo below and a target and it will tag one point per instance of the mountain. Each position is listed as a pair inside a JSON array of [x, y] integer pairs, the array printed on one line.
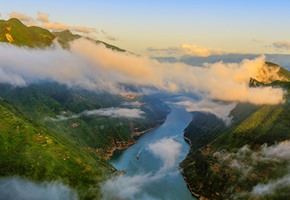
[[31, 150], [64, 37], [232, 162], [15, 32]]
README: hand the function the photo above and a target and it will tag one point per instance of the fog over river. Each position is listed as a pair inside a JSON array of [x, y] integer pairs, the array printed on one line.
[[151, 165]]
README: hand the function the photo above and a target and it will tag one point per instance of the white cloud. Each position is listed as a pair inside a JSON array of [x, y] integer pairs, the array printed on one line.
[[195, 50], [125, 187], [271, 187], [27, 20], [107, 112], [42, 17], [55, 26], [187, 49], [17, 189], [12, 78], [20, 16], [132, 187], [219, 109], [83, 29], [168, 151], [246, 162]]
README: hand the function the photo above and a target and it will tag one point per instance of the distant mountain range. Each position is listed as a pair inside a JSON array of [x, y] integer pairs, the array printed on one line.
[[15, 32], [281, 59]]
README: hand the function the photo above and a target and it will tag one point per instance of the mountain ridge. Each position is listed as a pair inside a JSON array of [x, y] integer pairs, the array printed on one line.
[[13, 31], [207, 169]]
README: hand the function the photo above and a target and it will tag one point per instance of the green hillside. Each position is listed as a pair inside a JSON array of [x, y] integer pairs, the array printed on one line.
[[46, 101], [211, 166], [72, 151], [30, 150], [15, 32]]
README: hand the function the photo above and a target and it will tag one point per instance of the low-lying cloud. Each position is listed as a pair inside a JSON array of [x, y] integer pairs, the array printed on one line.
[[260, 166], [20, 189], [95, 67], [132, 187], [168, 151], [125, 187], [134, 104], [220, 109], [114, 112], [271, 187]]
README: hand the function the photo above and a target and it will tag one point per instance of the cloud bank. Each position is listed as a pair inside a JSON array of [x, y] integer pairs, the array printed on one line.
[[107, 112], [18, 189], [95, 67]]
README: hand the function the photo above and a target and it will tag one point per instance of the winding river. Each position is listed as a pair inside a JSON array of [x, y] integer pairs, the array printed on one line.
[[140, 160]]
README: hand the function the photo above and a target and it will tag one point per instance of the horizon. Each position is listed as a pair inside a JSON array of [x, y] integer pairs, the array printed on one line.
[[166, 29]]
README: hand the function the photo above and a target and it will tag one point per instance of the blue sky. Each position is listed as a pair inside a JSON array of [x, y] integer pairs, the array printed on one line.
[[222, 26]]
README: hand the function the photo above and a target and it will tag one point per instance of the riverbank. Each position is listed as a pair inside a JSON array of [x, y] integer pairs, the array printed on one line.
[[110, 152], [126, 144], [137, 134], [194, 194]]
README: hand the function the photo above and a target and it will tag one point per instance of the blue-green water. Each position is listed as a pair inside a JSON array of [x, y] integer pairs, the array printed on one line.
[[171, 185]]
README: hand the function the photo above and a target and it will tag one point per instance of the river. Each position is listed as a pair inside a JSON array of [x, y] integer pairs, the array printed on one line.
[[161, 177]]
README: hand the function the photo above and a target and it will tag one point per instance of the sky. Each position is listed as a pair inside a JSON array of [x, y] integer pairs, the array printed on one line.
[[171, 28]]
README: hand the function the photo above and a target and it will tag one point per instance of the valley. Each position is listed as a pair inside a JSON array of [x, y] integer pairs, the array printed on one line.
[[100, 122]]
